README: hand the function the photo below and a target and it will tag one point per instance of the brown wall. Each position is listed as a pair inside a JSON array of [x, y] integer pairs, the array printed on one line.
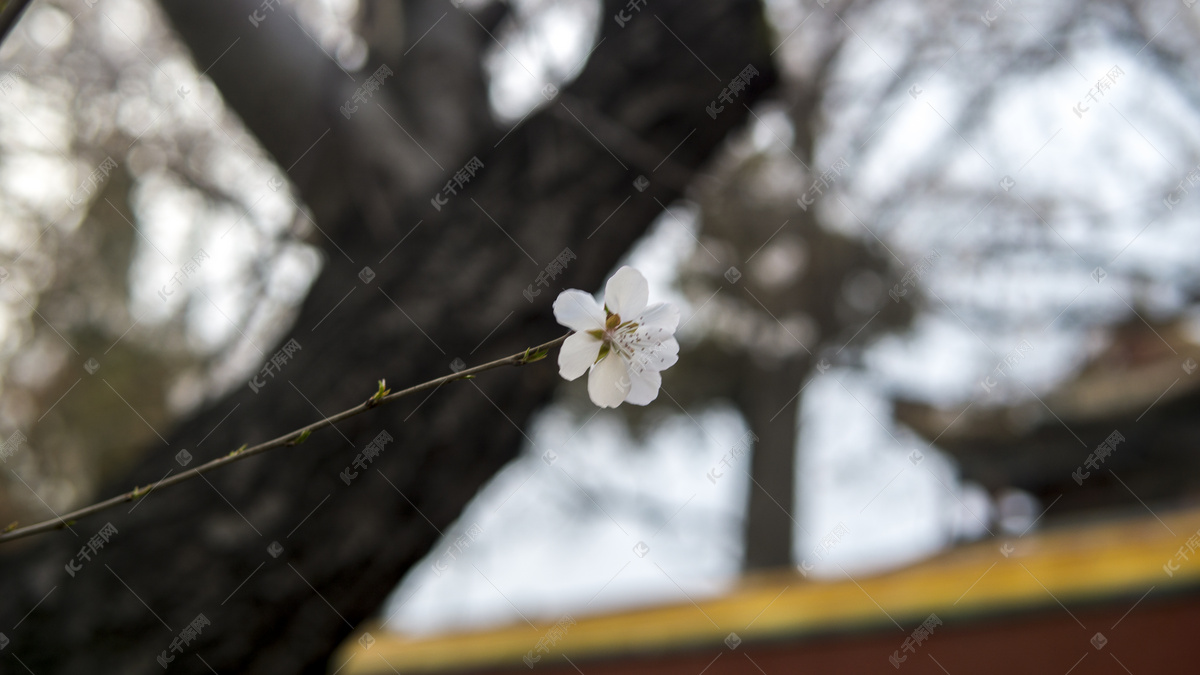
[[1160, 635]]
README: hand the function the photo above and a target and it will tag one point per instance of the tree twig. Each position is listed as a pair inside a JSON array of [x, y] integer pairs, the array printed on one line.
[[295, 437]]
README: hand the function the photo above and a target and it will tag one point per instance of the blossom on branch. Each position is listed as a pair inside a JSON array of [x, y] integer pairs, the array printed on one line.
[[624, 343]]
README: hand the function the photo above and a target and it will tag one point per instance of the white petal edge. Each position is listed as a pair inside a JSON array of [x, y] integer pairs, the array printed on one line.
[[644, 386], [653, 352], [609, 383], [662, 315], [668, 354], [578, 311], [577, 354], [626, 293]]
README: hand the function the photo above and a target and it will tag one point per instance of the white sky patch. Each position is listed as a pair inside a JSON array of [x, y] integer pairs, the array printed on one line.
[[163, 215], [855, 470], [941, 361], [48, 26], [292, 273], [34, 118], [561, 537], [545, 45], [658, 255], [935, 361], [771, 130], [126, 24], [1108, 158], [221, 316], [37, 179]]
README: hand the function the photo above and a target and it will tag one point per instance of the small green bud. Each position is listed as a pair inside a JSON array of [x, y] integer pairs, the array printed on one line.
[[379, 394], [532, 355]]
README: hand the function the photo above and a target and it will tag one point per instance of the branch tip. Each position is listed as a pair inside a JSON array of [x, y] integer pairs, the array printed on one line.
[[533, 354], [377, 398]]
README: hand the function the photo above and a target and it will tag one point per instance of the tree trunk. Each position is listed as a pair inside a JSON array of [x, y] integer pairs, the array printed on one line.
[[769, 398], [450, 286]]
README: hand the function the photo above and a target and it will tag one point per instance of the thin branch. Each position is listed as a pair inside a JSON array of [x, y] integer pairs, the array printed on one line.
[[291, 438]]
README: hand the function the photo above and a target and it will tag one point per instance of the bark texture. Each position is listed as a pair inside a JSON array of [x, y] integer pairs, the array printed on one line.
[[451, 289]]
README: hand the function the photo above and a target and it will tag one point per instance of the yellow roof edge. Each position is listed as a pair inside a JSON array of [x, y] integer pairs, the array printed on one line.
[[1072, 565]]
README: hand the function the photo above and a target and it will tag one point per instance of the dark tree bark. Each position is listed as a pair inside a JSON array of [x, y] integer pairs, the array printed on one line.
[[451, 289]]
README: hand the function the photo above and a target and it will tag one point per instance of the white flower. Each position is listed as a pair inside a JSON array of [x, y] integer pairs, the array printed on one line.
[[624, 342]]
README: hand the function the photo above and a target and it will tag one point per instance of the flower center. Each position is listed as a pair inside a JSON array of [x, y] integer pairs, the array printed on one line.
[[616, 337]]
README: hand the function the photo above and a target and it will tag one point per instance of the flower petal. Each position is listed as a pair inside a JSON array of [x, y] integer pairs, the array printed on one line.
[[644, 387], [626, 293], [662, 315], [654, 350], [609, 382], [577, 354], [578, 311]]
